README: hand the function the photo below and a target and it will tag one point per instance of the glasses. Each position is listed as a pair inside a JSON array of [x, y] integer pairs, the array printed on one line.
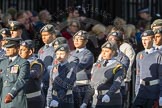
[[74, 26]]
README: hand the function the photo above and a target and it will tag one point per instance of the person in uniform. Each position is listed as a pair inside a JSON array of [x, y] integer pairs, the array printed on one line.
[[147, 41], [107, 76], [158, 39], [14, 72], [33, 87], [58, 41], [149, 72], [2, 51], [46, 53], [62, 78], [126, 56], [15, 29], [83, 74], [156, 24], [5, 32]]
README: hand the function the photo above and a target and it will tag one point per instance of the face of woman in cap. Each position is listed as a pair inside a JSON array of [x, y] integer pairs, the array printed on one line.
[[107, 53], [25, 52], [61, 56]]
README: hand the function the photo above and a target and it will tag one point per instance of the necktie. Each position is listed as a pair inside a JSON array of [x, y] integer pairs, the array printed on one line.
[[105, 63], [146, 52], [10, 60], [157, 48], [77, 51]]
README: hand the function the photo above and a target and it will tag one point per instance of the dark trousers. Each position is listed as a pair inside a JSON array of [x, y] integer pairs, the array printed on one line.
[[79, 94], [66, 102], [145, 103], [36, 102]]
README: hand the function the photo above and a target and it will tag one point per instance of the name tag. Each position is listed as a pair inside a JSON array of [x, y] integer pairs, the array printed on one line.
[[14, 69]]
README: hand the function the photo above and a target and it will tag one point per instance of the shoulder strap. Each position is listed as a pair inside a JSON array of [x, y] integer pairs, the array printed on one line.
[[116, 68]]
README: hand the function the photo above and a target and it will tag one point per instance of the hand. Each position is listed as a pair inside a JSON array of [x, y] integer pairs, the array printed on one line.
[[127, 80], [106, 99], [84, 105], [160, 101], [54, 103], [8, 98]]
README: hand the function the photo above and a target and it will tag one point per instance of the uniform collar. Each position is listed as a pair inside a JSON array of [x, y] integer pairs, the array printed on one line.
[[63, 63], [50, 44], [158, 47], [31, 58], [13, 58], [151, 50], [81, 49], [111, 61]]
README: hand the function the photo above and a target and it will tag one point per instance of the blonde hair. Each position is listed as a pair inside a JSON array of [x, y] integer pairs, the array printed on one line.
[[98, 28], [130, 30], [119, 22]]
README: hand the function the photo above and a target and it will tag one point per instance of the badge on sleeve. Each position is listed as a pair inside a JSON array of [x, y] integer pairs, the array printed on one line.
[[14, 69]]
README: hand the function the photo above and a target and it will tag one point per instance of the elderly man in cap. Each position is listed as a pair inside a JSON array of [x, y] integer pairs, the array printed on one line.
[[147, 41], [46, 53], [33, 88], [106, 80], [62, 78], [149, 75], [14, 72], [83, 74]]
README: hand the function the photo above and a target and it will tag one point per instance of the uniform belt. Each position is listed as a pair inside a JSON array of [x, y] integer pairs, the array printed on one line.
[[103, 92], [82, 82], [149, 83], [34, 94], [69, 92]]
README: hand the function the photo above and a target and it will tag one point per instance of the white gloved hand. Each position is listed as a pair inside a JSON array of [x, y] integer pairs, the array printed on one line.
[[84, 105], [160, 101], [106, 99], [54, 103], [47, 107]]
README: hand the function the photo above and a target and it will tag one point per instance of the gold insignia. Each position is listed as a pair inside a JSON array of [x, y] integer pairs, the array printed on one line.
[[145, 34]]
